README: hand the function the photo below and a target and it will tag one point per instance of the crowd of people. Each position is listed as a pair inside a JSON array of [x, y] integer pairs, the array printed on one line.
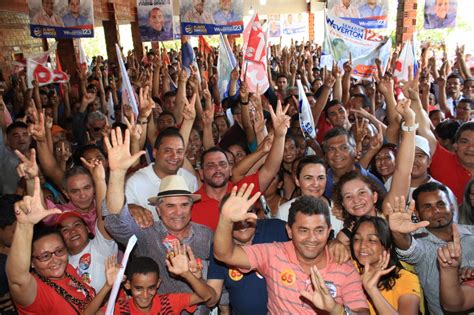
[[235, 210]]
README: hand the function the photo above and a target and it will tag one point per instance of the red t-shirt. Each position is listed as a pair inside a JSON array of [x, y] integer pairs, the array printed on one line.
[[206, 211], [48, 301], [323, 126], [163, 304], [446, 168]]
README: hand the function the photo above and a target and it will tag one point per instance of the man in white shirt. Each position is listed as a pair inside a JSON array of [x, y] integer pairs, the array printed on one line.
[[169, 157]]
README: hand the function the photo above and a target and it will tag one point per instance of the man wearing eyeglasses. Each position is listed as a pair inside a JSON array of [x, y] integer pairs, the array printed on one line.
[[216, 171], [340, 152]]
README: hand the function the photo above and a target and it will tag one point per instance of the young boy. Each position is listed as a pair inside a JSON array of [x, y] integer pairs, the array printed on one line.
[[143, 281]]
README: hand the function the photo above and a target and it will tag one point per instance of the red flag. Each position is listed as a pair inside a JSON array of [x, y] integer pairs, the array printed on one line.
[[204, 47], [60, 69], [165, 57], [254, 64]]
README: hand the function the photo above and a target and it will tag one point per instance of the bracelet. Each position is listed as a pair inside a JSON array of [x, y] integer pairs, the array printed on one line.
[[409, 128], [244, 103], [143, 122]]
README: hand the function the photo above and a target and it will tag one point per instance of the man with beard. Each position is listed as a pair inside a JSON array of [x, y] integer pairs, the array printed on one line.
[[215, 172], [419, 246]]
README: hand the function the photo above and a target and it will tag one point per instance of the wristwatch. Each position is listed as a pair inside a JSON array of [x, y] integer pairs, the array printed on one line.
[[409, 128]]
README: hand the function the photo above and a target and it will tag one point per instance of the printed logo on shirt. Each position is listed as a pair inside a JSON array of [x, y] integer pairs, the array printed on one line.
[[235, 275], [83, 268], [287, 277], [168, 244], [331, 288]]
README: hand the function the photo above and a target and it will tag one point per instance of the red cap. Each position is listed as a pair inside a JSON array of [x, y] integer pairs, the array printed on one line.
[[68, 214]]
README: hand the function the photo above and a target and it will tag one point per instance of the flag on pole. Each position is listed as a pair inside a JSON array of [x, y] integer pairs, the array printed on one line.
[[128, 94], [225, 64], [305, 114], [204, 47], [254, 63], [189, 59], [407, 58]]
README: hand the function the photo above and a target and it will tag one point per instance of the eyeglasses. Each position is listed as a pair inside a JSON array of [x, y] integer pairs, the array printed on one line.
[[48, 255]]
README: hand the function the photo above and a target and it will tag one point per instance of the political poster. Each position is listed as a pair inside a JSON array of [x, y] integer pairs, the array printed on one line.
[[274, 26], [366, 13], [440, 13], [61, 18], [199, 17], [155, 20], [176, 27], [344, 39], [294, 23]]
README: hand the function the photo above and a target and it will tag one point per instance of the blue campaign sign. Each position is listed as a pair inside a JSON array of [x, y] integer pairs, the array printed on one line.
[[200, 17], [61, 18]]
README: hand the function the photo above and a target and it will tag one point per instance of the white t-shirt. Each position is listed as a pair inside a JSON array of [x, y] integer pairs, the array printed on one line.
[[284, 210], [90, 262], [452, 198], [145, 184]]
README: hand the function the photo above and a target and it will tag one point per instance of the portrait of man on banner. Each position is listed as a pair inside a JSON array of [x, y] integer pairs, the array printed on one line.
[[155, 21], [440, 14], [61, 18], [366, 13], [208, 17], [274, 25]]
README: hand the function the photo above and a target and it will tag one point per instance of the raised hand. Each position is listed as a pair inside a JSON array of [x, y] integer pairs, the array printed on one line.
[[404, 109], [372, 275], [37, 128], [96, 168], [281, 121], [385, 84], [399, 217], [146, 103], [118, 150], [134, 128], [143, 217], [321, 298], [236, 207], [28, 168], [112, 269], [178, 261], [30, 210], [195, 264], [449, 255], [189, 111]]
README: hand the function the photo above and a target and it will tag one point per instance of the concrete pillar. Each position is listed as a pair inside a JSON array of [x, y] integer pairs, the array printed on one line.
[[406, 20], [111, 32], [137, 40]]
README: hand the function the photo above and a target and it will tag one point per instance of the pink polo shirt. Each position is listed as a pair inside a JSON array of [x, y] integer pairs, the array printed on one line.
[[278, 264]]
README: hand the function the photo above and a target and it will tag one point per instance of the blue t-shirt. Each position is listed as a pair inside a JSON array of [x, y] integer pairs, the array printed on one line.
[[248, 292]]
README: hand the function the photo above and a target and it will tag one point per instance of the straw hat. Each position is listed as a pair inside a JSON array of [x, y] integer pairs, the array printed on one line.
[[172, 186]]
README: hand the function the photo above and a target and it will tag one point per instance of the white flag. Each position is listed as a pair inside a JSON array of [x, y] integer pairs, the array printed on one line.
[[305, 114], [127, 90]]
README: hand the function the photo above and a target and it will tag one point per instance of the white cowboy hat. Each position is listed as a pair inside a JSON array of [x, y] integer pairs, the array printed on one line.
[[172, 186]]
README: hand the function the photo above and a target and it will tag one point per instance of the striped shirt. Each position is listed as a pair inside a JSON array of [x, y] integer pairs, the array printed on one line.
[[423, 254], [285, 278]]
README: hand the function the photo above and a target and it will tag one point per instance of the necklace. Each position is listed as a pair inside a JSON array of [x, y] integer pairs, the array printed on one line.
[[81, 304]]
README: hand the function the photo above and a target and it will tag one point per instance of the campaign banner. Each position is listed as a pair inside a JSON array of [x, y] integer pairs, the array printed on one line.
[[343, 38], [43, 74], [176, 27], [61, 18], [274, 25], [293, 23], [366, 13], [440, 13], [199, 17], [155, 20]]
